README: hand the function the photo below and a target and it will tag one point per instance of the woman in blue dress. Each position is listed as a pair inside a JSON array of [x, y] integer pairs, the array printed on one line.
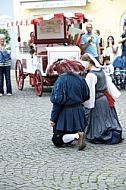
[[69, 92], [103, 124]]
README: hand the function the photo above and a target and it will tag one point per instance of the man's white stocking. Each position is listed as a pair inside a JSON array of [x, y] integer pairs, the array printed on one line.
[[70, 137]]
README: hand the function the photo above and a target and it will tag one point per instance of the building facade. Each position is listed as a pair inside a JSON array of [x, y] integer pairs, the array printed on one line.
[[106, 15]]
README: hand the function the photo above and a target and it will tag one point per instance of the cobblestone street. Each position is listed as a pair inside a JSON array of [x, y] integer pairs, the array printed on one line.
[[29, 160]]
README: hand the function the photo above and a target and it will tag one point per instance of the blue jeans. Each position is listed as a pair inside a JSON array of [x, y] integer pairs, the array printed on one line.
[[5, 71]]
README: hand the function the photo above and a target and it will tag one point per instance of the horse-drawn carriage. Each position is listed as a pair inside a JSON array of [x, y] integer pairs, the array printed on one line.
[[52, 41]]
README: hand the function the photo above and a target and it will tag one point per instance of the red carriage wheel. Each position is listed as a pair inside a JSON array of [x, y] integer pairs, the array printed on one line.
[[38, 83], [19, 75]]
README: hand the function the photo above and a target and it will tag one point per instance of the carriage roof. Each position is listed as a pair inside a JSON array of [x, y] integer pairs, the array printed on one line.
[[71, 18]]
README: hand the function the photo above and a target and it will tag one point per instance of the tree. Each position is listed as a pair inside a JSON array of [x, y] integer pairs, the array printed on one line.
[[6, 33]]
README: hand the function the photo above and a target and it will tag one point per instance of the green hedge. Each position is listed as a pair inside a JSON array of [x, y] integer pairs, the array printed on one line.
[[6, 33]]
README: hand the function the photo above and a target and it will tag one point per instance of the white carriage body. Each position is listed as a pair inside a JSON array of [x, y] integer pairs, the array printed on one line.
[[42, 62]]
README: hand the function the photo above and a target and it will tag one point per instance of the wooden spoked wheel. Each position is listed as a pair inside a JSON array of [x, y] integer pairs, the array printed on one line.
[[19, 75], [38, 83]]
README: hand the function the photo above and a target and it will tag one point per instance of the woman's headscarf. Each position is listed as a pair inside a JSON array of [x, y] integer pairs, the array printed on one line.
[[97, 64]]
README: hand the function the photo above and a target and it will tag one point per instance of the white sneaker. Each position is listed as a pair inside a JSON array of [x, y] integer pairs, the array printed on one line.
[[1, 95], [9, 94]]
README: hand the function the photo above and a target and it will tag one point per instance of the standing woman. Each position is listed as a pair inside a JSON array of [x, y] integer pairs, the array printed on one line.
[[5, 67], [103, 125], [101, 44], [111, 49], [31, 40]]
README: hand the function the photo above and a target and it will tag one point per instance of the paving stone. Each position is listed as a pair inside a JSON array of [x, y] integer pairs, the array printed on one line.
[[29, 160]]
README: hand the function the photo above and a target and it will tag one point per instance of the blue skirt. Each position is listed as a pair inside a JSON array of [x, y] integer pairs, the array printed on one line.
[[72, 119]]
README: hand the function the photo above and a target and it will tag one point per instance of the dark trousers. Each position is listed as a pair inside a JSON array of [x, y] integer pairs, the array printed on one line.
[[5, 71], [58, 135]]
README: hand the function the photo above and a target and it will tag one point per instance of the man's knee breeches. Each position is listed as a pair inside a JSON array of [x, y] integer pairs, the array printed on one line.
[[57, 138]]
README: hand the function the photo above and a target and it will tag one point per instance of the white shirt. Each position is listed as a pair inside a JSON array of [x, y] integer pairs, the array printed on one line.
[[91, 80], [109, 69], [109, 51]]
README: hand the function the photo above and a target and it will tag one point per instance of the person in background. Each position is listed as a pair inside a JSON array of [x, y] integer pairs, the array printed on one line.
[[103, 124], [90, 43], [111, 49], [31, 44], [31, 40], [5, 67], [69, 92], [101, 44], [108, 67], [122, 41]]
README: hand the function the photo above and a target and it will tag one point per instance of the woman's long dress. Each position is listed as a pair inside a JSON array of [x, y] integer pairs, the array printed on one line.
[[103, 125]]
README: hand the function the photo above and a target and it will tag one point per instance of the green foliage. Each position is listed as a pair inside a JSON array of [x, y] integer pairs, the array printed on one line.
[[6, 33]]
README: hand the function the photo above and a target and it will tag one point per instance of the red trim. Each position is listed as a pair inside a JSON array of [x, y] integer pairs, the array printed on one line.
[[58, 15], [64, 27], [51, 41], [76, 16], [16, 23], [35, 29], [36, 20], [12, 23], [79, 15], [26, 22], [21, 22]]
